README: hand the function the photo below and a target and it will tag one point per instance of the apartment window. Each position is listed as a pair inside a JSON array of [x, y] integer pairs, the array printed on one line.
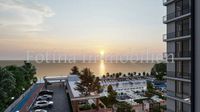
[[182, 7], [186, 6], [179, 106], [179, 28], [178, 68], [179, 89], [179, 8], [183, 69], [186, 90], [178, 48], [186, 107], [186, 69], [183, 48], [183, 27]]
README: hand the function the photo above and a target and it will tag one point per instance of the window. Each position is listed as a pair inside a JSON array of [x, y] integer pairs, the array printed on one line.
[[183, 69], [179, 89], [183, 27], [179, 106], [179, 8]]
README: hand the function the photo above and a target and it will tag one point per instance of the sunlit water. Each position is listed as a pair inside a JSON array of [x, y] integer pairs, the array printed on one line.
[[99, 68]]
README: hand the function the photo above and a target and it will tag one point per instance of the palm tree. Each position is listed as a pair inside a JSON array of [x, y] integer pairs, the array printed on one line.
[[75, 70], [89, 83], [124, 75], [129, 74], [29, 71], [107, 74], [143, 73]]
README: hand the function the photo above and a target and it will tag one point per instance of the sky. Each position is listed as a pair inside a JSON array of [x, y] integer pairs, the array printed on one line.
[[80, 26]]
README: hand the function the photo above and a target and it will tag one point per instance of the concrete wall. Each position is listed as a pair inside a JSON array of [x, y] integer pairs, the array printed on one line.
[[171, 85], [170, 104], [171, 46], [171, 67], [171, 8], [197, 55], [171, 27]]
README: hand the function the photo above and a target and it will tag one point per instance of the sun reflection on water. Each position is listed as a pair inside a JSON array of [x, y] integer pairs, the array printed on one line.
[[102, 68]]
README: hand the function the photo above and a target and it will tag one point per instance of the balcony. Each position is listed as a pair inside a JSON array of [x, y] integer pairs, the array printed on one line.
[[180, 75], [166, 2], [183, 97], [183, 55], [184, 34], [176, 15]]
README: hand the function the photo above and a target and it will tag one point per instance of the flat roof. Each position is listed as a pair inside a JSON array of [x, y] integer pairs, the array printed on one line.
[[75, 94]]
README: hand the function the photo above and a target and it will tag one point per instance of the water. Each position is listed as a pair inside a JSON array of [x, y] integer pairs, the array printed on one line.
[[99, 68]]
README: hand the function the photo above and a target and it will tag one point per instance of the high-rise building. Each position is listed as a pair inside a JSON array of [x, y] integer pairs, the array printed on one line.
[[179, 40]]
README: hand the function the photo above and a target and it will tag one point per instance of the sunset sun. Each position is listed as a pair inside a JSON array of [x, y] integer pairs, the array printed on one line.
[[102, 52]]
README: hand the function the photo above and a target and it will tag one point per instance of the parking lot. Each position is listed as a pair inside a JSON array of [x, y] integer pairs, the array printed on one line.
[[60, 102]]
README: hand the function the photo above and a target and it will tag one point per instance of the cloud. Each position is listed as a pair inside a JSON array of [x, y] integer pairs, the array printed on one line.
[[22, 15]]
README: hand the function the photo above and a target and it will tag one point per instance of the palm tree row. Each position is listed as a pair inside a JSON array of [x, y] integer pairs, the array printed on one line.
[[14, 80]]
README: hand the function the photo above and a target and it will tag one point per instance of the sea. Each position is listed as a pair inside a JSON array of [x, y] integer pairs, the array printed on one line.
[[98, 68]]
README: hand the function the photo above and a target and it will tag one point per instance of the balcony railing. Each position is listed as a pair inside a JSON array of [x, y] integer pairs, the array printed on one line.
[[174, 35], [176, 14], [183, 75], [167, 1], [182, 95], [181, 54]]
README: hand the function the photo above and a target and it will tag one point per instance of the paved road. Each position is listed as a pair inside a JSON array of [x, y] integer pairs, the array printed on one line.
[[61, 103]]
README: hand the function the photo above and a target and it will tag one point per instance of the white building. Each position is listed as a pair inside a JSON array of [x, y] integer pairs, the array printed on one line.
[[124, 85]]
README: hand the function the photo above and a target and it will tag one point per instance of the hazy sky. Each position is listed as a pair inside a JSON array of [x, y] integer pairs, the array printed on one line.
[[76, 26]]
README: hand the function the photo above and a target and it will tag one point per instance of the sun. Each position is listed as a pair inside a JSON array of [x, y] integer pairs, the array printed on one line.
[[102, 52]]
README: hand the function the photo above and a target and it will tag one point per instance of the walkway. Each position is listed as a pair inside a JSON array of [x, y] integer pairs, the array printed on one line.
[[27, 100]]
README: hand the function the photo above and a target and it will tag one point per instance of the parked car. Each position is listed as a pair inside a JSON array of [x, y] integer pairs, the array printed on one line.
[[44, 97], [43, 104], [43, 92], [40, 110]]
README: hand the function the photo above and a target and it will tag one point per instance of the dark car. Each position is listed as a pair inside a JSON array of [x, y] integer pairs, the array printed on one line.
[[44, 92]]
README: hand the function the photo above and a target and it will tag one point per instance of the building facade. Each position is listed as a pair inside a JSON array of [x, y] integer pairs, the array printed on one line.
[[126, 85], [178, 39]]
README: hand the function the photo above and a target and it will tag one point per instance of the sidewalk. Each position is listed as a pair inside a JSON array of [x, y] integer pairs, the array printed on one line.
[[28, 99]]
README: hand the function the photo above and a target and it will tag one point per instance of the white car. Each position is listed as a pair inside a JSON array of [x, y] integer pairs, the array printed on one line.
[[40, 110], [43, 104], [44, 97]]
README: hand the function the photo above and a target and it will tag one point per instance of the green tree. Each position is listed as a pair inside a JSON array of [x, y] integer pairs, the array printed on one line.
[[14, 80], [111, 95], [29, 72], [150, 87], [88, 82], [7, 85], [159, 70], [75, 70]]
